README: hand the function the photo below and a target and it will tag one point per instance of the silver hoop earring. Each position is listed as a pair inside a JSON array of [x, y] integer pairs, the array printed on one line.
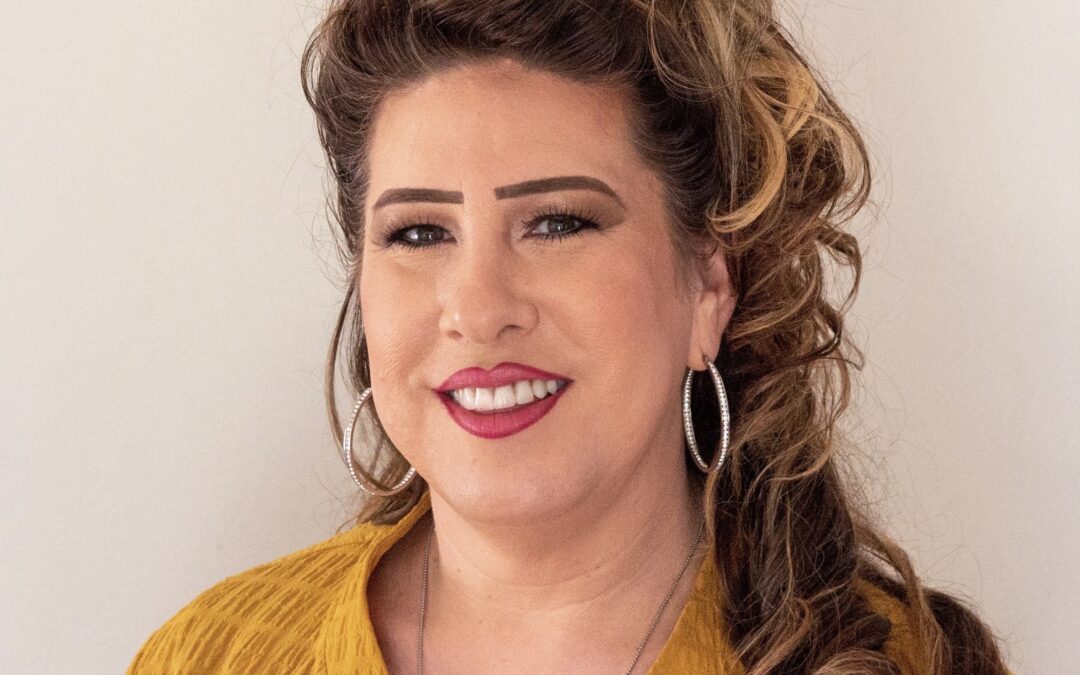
[[725, 418], [346, 452]]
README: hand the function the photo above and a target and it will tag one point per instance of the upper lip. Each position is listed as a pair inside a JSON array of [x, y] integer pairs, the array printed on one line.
[[502, 374]]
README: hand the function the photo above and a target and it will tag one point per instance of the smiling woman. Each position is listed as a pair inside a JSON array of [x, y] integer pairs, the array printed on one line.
[[587, 324]]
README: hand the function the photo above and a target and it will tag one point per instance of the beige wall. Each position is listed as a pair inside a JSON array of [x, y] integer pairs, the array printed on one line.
[[167, 294]]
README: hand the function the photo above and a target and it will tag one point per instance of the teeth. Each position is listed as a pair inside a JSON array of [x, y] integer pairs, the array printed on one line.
[[485, 399], [523, 392], [506, 396], [467, 397]]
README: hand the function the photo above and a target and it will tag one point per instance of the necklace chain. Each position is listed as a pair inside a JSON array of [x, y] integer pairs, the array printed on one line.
[[641, 645]]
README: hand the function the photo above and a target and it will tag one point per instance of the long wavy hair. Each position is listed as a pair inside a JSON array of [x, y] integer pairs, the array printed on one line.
[[756, 158]]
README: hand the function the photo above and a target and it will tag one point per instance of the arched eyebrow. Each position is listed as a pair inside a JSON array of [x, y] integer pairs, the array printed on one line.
[[528, 187], [406, 195], [555, 184]]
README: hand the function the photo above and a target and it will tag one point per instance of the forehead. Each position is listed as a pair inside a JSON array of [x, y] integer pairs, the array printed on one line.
[[497, 123]]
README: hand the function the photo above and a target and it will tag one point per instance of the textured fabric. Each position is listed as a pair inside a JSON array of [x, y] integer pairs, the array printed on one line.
[[307, 612]]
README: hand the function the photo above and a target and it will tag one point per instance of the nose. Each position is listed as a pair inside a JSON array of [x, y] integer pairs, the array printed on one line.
[[486, 295]]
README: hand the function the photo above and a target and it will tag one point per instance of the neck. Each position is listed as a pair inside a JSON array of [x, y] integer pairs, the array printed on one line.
[[558, 576]]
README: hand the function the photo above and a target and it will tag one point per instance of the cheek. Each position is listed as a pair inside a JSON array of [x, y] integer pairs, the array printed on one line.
[[394, 334], [397, 342], [632, 368], [634, 328], [625, 302]]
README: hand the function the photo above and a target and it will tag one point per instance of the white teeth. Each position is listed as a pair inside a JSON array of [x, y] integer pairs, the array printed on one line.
[[506, 396], [485, 399], [539, 388], [523, 392], [467, 397]]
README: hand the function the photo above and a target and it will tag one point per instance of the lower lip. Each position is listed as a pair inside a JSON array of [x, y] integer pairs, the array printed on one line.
[[500, 424]]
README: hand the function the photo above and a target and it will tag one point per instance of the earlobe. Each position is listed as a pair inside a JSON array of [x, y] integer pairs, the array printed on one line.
[[704, 334]]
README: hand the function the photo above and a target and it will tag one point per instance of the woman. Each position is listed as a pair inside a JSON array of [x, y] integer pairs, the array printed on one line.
[[588, 322]]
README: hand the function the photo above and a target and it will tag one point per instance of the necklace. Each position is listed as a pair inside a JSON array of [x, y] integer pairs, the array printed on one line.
[[641, 645]]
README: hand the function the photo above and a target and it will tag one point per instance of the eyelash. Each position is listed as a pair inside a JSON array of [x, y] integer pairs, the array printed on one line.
[[395, 231]]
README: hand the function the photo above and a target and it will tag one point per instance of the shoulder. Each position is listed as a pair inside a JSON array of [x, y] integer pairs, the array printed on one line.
[[268, 614], [903, 645]]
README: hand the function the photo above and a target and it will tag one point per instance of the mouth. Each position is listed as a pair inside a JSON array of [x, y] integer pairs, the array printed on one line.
[[503, 374], [500, 422]]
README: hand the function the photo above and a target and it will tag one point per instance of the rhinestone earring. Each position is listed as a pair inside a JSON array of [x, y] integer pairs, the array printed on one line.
[[346, 452], [725, 418]]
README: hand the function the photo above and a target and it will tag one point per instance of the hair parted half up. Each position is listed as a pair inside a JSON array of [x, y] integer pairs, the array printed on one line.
[[757, 158]]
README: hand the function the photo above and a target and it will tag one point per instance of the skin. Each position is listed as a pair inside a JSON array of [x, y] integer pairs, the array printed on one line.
[[554, 546]]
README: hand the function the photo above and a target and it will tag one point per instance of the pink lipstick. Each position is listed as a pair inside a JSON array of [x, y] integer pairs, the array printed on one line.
[[493, 424]]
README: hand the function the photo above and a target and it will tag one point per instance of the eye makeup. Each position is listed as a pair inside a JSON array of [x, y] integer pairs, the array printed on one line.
[[415, 232]]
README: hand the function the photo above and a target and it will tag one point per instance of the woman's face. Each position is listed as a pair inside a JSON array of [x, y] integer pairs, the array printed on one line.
[[472, 282]]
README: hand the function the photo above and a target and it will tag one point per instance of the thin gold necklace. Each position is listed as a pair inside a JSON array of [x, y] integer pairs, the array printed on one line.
[[641, 645]]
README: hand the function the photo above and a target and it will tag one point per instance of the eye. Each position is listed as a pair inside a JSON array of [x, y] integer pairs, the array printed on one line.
[[561, 225], [416, 236], [557, 220], [412, 234]]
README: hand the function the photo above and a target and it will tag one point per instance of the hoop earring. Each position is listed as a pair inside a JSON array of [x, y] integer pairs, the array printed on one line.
[[346, 452], [725, 418]]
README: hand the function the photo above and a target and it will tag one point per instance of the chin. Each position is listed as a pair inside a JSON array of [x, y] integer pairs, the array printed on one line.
[[506, 500]]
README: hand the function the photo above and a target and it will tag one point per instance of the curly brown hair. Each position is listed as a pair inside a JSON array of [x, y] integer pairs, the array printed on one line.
[[757, 158]]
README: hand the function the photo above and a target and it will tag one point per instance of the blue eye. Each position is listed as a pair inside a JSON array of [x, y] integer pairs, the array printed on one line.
[[563, 219], [561, 223]]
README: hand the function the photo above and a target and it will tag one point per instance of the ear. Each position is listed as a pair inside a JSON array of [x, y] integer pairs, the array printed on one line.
[[713, 303]]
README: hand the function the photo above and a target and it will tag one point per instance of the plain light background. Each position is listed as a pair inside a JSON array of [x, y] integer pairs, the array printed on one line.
[[168, 291]]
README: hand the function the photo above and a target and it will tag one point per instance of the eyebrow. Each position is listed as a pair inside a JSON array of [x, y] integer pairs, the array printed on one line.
[[529, 187]]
